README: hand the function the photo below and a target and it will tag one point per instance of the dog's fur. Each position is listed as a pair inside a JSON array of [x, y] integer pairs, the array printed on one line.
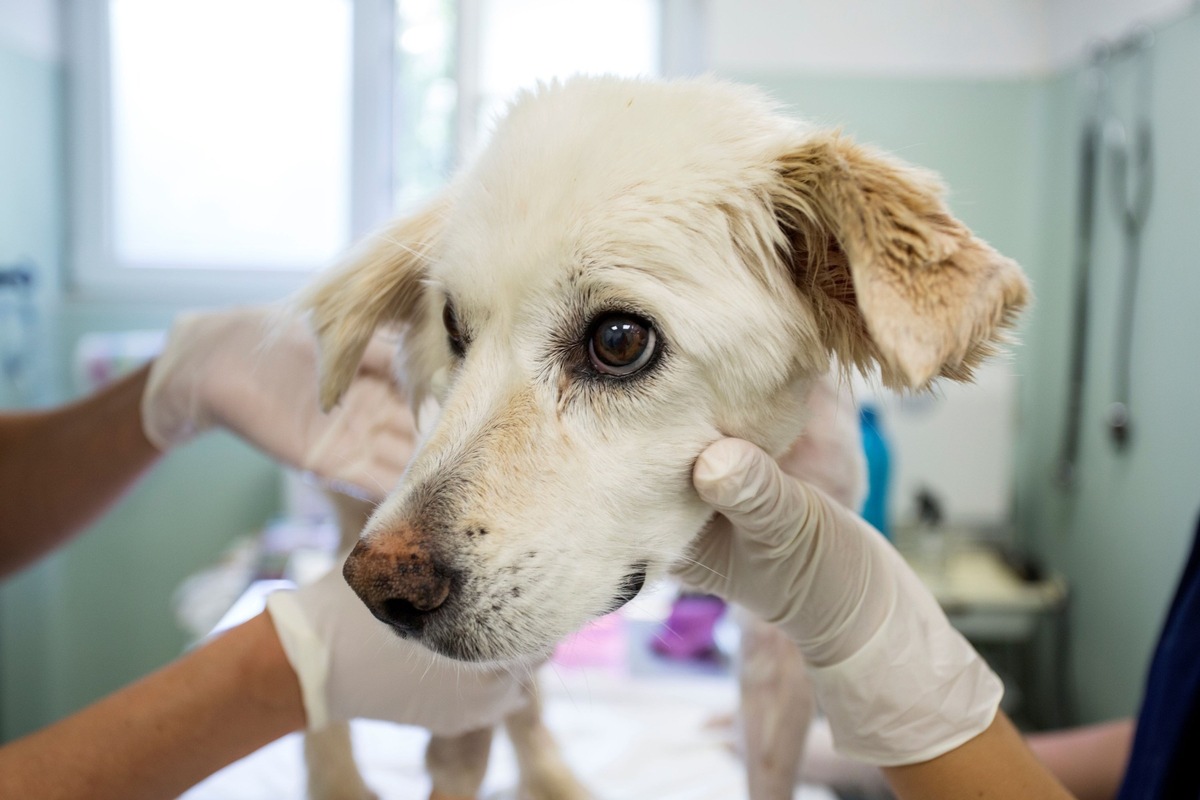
[[762, 252]]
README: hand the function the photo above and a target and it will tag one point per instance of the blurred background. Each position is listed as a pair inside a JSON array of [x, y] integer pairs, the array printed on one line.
[[161, 155]]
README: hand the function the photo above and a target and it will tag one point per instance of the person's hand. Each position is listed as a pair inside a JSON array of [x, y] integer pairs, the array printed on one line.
[[349, 665], [254, 371], [898, 683]]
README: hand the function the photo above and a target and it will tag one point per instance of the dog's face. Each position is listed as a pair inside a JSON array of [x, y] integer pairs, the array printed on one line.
[[630, 271]]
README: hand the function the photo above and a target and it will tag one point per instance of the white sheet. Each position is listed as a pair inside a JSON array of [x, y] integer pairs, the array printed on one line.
[[627, 738]]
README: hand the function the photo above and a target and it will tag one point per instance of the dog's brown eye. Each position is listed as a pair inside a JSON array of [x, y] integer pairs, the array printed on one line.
[[450, 320], [621, 344]]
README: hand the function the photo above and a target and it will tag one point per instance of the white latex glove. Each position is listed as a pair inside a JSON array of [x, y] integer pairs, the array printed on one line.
[[350, 666], [897, 682], [254, 371]]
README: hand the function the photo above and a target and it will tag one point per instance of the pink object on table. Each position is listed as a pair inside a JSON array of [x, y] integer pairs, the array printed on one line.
[[602, 643], [687, 634]]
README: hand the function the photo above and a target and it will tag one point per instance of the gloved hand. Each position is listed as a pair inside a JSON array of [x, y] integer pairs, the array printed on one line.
[[350, 666], [254, 371], [898, 683]]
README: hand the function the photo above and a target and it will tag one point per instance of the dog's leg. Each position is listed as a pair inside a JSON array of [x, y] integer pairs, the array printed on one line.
[[776, 707], [457, 764], [776, 695], [544, 773], [332, 773], [328, 756]]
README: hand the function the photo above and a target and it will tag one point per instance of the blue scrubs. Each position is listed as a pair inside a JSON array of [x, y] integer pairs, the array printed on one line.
[[1165, 762]]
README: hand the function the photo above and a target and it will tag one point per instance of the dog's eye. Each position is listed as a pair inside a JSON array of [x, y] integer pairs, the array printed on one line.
[[621, 344], [457, 343]]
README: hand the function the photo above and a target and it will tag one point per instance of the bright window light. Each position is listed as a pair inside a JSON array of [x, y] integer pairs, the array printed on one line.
[[229, 147], [230, 126], [526, 41], [425, 100]]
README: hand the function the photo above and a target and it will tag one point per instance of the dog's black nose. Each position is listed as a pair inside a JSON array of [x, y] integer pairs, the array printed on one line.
[[403, 615], [400, 583]]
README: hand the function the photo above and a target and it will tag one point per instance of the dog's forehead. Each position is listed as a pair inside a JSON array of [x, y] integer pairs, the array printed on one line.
[[602, 173]]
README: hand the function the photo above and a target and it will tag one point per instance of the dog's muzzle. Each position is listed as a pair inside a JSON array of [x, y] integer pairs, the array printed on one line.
[[631, 584], [402, 583]]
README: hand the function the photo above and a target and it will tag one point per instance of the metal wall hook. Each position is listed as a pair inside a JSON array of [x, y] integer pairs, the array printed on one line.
[[1132, 164], [1089, 153], [1131, 210], [1131, 161]]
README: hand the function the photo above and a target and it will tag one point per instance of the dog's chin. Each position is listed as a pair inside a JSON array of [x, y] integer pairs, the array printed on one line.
[[475, 649], [483, 645]]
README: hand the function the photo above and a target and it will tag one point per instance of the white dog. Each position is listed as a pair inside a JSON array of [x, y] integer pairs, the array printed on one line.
[[630, 271]]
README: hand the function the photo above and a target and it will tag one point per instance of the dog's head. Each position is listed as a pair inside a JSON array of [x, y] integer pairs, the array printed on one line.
[[629, 272]]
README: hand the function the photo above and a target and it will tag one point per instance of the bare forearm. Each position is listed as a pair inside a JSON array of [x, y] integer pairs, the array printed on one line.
[[62, 468], [1090, 761], [165, 733], [995, 765]]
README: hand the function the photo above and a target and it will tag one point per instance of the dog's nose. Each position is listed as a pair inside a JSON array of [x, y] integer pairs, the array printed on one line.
[[401, 583]]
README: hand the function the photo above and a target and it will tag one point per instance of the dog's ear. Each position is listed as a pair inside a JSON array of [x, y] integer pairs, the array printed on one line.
[[379, 283], [894, 279]]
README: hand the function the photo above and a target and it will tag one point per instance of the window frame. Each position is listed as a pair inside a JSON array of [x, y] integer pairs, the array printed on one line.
[[94, 272]]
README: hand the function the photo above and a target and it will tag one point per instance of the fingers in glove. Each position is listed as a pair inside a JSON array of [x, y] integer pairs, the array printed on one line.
[[380, 356], [745, 484]]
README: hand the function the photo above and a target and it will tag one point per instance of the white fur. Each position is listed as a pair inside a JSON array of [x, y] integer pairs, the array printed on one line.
[[759, 249], [566, 216]]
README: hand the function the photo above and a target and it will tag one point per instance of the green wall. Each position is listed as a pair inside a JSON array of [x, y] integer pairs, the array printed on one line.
[[981, 136], [31, 221], [31, 191], [1008, 149], [97, 614], [1121, 534]]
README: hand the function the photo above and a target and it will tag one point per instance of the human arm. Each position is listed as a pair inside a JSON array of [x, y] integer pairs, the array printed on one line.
[[246, 687], [251, 371], [1089, 760], [156, 737], [993, 764], [901, 688], [62, 468]]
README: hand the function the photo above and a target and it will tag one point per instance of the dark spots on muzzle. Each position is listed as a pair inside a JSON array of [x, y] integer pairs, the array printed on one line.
[[629, 587]]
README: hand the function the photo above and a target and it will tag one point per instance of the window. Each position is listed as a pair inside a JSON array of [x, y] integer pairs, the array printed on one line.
[[525, 41], [225, 149], [229, 140]]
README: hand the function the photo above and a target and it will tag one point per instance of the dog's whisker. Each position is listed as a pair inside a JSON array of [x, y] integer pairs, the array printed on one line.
[[563, 683], [403, 246], [688, 560], [527, 682], [428, 666], [663, 626]]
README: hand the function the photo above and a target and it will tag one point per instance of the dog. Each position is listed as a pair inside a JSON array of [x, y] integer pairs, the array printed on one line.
[[629, 271]]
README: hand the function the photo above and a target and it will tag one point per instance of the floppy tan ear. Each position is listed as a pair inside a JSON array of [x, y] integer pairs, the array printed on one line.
[[379, 283], [894, 278]]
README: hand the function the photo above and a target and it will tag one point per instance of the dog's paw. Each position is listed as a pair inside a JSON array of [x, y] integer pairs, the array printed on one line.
[[360, 792], [553, 785], [436, 795]]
